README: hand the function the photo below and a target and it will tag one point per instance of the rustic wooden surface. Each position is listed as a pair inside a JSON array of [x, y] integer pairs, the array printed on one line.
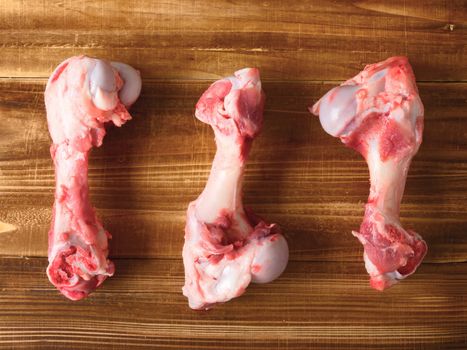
[[146, 172]]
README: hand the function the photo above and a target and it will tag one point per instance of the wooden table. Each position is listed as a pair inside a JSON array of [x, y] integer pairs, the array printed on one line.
[[146, 173]]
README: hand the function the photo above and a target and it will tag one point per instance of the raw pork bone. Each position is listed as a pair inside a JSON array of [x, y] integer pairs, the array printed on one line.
[[227, 247], [379, 113], [81, 95]]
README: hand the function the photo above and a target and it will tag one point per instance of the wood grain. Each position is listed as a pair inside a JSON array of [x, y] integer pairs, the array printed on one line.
[[147, 172], [311, 40], [313, 306]]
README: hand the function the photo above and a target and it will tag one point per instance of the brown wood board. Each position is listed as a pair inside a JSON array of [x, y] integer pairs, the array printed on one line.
[[146, 173], [313, 305]]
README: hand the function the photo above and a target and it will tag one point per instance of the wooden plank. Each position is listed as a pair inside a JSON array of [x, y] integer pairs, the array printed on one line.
[[313, 305], [149, 170], [146, 173], [312, 40]]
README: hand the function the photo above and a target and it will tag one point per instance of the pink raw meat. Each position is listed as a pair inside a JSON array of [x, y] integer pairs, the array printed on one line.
[[227, 247], [379, 113], [81, 95]]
